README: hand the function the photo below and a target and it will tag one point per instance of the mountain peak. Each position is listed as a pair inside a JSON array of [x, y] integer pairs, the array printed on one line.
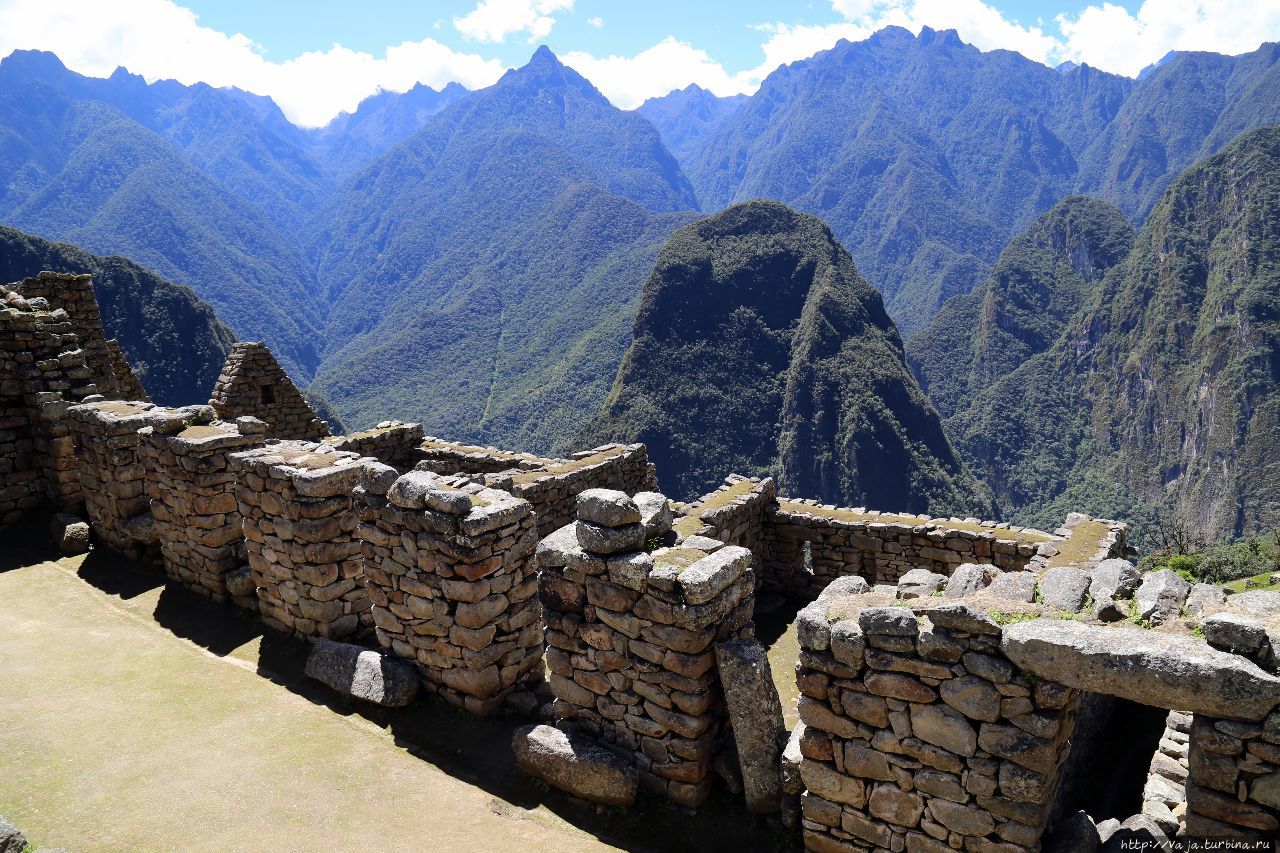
[[34, 63]]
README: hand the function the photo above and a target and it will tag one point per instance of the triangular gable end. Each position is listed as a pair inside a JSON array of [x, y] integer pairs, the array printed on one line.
[[253, 383]]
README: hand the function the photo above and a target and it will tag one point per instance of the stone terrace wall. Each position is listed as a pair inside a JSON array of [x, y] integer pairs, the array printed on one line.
[[736, 513], [450, 572], [448, 457], [112, 474], [253, 383], [630, 643], [295, 501], [74, 294], [192, 491], [922, 735], [882, 547], [42, 370], [1233, 790], [390, 442], [554, 490]]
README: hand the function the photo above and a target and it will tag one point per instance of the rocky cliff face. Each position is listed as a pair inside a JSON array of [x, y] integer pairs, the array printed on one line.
[[759, 349], [1161, 394]]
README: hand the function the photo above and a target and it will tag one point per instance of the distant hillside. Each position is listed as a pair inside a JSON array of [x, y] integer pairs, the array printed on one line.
[[1041, 279], [685, 116], [1161, 395], [82, 171], [759, 349], [173, 341], [484, 274], [380, 121], [927, 155]]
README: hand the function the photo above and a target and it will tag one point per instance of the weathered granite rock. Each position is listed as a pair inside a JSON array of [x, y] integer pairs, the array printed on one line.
[[756, 711], [240, 583], [11, 840], [1234, 633], [362, 673], [959, 616], [1108, 610], [1161, 596], [893, 621], [920, 583], [655, 513], [609, 540], [70, 532], [1065, 588], [1114, 578], [792, 784], [969, 578], [607, 508], [1259, 602], [1164, 670], [576, 764], [1014, 586], [1205, 598], [845, 585]]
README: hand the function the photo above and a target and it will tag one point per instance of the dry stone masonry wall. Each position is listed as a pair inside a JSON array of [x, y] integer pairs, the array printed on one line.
[[192, 491], [253, 383], [919, 734], [74, 295], [630, 637], [294, 499], [553, 490], [450, 572], [390, 442], [736, 513], [112, 474], [448, 457]]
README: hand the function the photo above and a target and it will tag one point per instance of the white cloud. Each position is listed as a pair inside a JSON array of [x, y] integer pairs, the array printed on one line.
[[670, 64], [1110, 38], [596, 22], [494, 20], [160, 40]]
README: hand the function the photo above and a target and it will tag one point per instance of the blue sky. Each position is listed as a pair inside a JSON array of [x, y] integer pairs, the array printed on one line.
[[322, 57]]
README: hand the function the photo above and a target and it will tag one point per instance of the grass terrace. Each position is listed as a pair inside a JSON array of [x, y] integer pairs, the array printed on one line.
[[872, 517]]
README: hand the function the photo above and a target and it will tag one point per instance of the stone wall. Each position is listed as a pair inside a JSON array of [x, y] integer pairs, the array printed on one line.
[[74, 294], [192, 491], [294, 499], [736, 513], [1233, 788], [807, 545], [390, 442], [128, 386], [553, 491], [450, 572], [919, 733], [42, 371], [630, 638], [253, 383], [449, 457], [112, 474]]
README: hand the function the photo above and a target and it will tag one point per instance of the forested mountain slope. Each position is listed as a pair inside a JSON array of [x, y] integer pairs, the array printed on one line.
[[759, 349]]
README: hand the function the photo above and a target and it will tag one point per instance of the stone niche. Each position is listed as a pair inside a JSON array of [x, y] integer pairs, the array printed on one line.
[[308, 571], [630, 637], [450, 574], [192, 493]]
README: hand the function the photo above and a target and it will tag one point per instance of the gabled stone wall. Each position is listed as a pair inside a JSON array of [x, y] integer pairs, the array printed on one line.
[[294, 499], [253, 383], [74, 294]]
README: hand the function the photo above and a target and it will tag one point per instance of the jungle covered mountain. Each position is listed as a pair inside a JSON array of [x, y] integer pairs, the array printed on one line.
[[174, 342], [759, 349], [1161, 395], [927, 155], [685, 117], [484, 273]]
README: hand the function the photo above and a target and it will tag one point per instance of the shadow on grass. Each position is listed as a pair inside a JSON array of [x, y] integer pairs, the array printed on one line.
[[117, 575]]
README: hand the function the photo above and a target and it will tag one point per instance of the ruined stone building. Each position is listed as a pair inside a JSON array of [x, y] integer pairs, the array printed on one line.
[[961, 682]]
